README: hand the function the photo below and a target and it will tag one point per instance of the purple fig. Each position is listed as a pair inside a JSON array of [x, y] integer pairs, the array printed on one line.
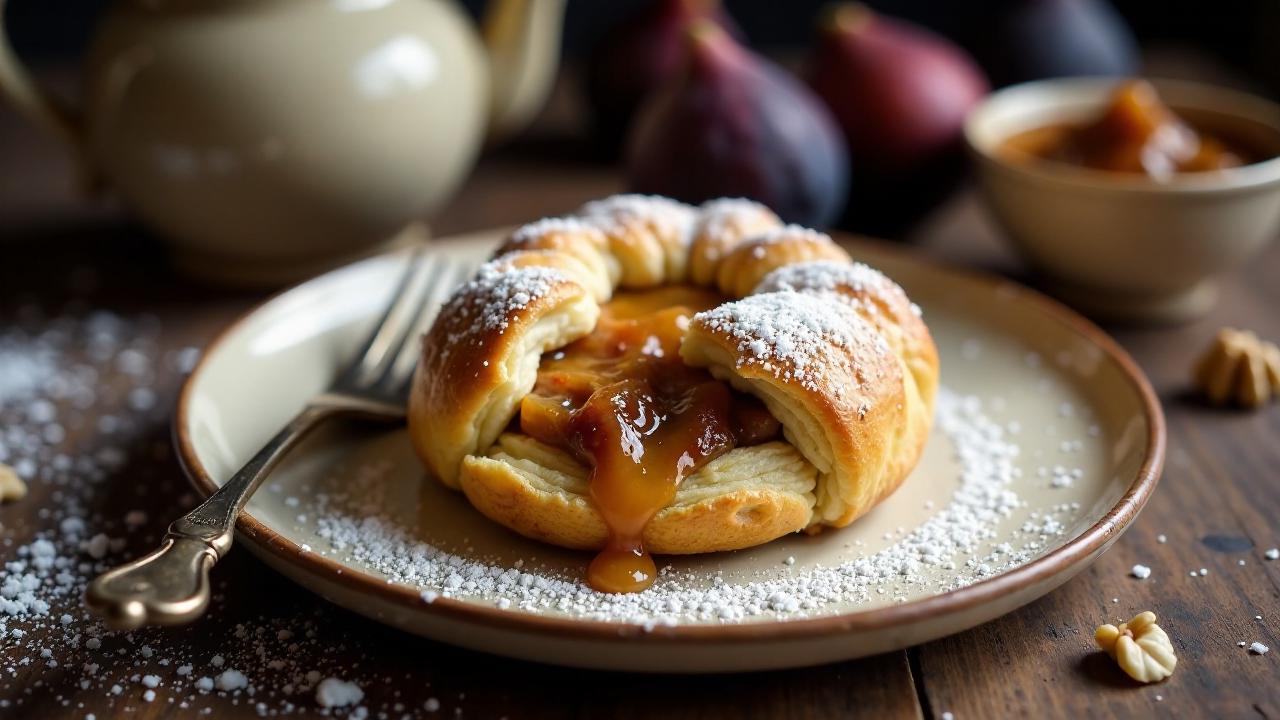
[[639, 56], [1035, 39], [900, 94], [735, 125]]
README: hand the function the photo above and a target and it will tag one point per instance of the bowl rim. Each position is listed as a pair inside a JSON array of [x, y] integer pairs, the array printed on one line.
[[1067, 90], [1075, 551]]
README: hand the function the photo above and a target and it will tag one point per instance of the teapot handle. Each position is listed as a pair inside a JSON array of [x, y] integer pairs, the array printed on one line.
[[41, 109]]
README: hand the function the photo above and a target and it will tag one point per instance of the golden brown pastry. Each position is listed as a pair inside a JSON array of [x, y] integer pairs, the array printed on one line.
[[747, 264], [572, 238], [721, 225], [828, 377], [649, 236], [580, 392], [881, 302], [481, 357]]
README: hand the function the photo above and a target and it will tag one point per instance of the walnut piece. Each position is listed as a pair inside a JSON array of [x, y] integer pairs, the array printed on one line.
[[11, 486], [1140, 646], [1239, 368]]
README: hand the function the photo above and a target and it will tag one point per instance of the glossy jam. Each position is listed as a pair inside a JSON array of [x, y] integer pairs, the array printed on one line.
[[623, 401], [1136, 134]]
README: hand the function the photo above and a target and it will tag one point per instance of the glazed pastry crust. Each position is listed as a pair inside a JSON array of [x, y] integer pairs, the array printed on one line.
[[573, 239], [835, 350], [481, 358]]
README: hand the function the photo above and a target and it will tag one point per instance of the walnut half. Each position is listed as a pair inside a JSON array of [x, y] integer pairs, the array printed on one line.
[[1239, 368], [1140, 646], [11, 486]]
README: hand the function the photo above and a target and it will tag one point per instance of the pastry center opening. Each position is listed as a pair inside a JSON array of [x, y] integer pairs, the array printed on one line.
[[622, 400]]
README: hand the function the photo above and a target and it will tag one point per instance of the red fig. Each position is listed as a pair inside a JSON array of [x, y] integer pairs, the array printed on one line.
[[899, 92], [639, 56], [735, 125]]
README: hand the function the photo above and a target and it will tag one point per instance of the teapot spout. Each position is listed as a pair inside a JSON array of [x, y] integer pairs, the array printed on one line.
[[523, 41]]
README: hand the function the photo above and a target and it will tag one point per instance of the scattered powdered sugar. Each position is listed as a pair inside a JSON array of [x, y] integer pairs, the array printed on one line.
[[231, 680], [84, 399], [958, 539], [334, 692], [797, 337], [103, 380]]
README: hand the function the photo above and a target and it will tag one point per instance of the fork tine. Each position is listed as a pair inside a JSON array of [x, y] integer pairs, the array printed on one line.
[[375, 345], [400, 373], [398, 334], [437, 288]]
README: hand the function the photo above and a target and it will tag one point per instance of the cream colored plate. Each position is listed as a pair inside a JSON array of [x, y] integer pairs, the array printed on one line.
[[1088, 432]]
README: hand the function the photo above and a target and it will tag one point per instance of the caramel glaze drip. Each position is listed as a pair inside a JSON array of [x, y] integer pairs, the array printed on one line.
[[622, 401]]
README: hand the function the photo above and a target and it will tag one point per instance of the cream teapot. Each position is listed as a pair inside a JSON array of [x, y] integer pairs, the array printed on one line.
[[265, 138]]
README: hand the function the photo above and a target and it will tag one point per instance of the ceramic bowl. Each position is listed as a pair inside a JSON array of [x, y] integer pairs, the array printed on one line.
[[1123, 246]]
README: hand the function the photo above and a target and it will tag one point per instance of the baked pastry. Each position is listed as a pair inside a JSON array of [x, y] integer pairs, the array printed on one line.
[[649, 377]]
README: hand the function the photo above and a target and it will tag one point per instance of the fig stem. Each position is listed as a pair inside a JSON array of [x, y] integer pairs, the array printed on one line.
[[849, 17], [699, 8], [704, 30]]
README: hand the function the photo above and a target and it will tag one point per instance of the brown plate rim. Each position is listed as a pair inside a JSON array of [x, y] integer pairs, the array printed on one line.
[[1074, 551]]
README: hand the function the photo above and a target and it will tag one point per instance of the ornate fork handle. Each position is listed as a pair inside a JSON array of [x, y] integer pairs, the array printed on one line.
[[171, 584]]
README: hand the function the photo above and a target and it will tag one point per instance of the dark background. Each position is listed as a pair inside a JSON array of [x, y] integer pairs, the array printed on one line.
[[1243, 34]]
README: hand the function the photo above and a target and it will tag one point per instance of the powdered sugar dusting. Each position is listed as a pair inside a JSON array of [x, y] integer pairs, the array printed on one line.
[[960, 538], [668, 217], [849, 282], [531, 232], [826, 276], [728, 216], [796, 337], [792, 233], [487, 302], [84, 404]]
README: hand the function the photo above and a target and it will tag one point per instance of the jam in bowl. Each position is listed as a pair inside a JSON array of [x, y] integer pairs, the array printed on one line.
[[1131, 198]]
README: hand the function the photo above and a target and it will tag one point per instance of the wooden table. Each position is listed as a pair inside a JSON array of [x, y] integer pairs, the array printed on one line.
[[1219, 502]]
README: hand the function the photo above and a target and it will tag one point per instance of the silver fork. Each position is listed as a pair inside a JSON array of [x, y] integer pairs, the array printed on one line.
[[170, 585]]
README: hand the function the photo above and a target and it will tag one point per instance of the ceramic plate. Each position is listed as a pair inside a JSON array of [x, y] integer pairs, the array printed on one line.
[[1048, 442]]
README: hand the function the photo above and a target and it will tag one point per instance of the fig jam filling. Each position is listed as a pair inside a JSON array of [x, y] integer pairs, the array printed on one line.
[[622, 401], [1135, 133]]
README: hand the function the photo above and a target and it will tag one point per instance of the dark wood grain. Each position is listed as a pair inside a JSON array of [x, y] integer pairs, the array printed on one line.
[[1218, 503]]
